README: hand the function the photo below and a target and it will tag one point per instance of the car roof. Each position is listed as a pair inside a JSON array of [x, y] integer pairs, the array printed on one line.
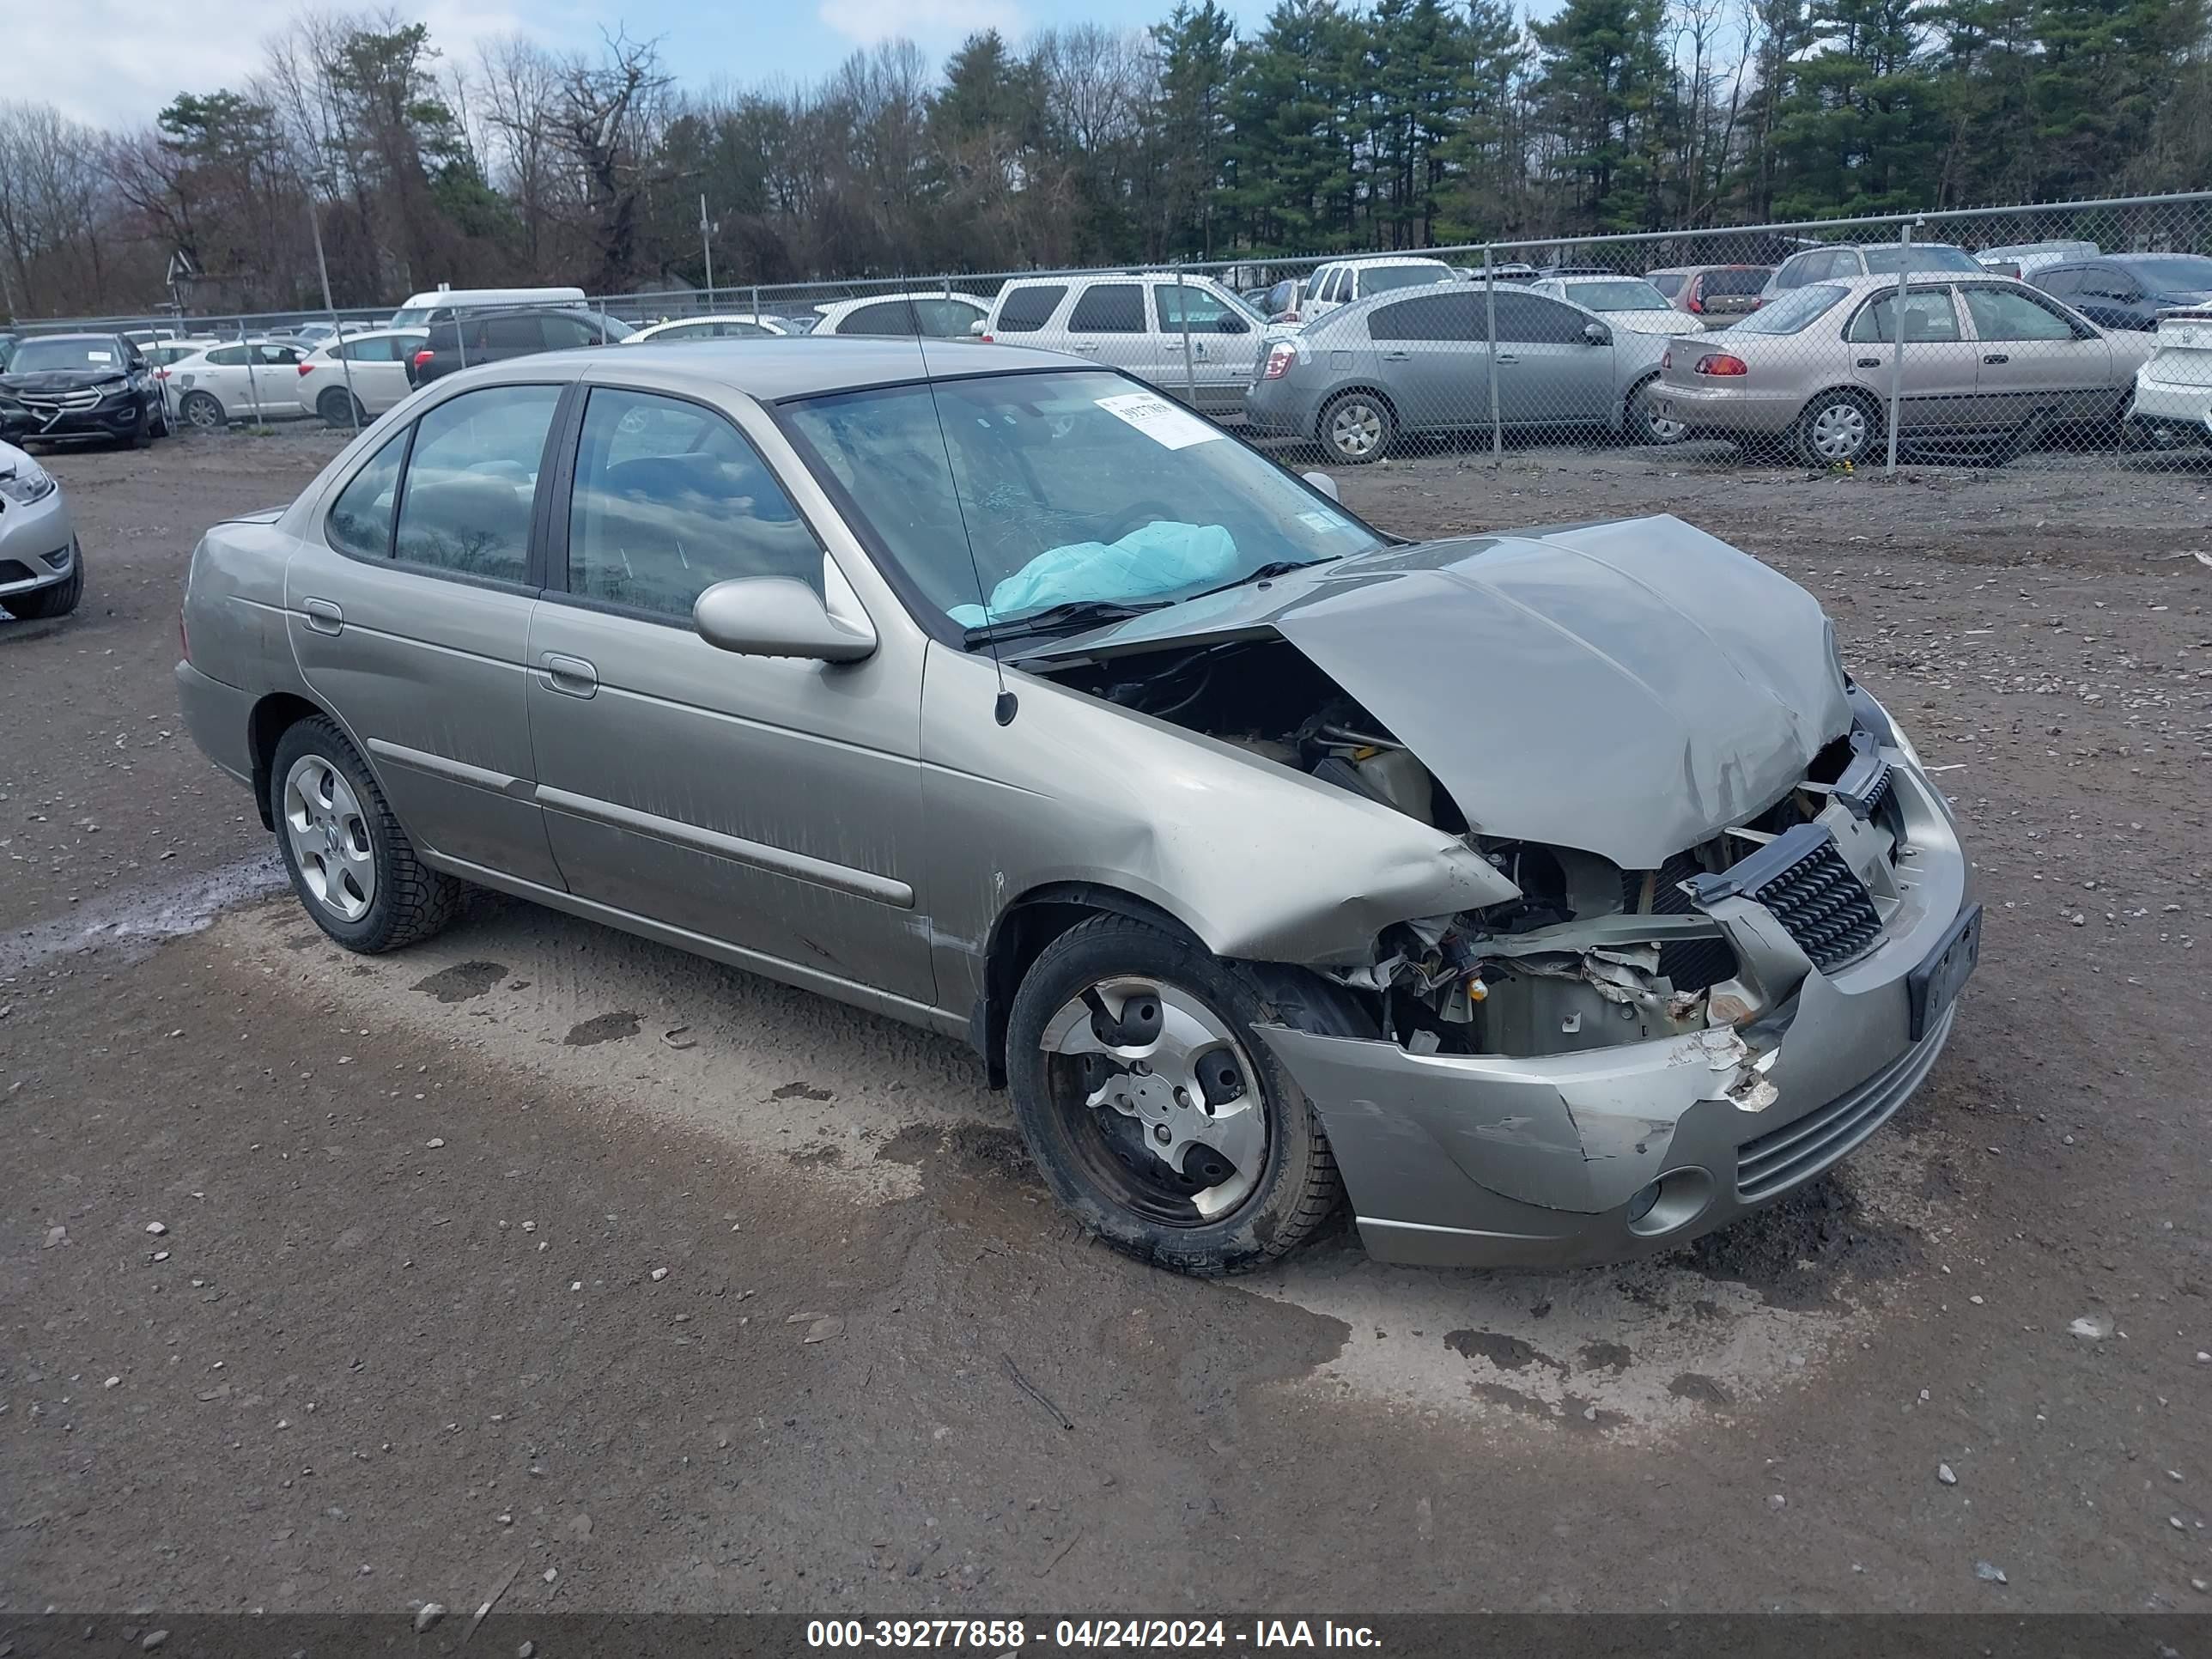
[[786, 366], [845, 307], [79, 334], [1366, 261]]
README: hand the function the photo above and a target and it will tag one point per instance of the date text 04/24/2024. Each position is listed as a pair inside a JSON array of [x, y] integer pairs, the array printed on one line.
[[1011, 1635]]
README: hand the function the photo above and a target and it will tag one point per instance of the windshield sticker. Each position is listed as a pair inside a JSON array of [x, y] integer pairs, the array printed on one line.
[[1165, 423], [100, 356], [1314, 519]]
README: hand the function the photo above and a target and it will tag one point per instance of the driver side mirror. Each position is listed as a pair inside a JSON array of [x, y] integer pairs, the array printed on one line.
[[1323, 482], [976, 327], [778, 616], [1597, 334]]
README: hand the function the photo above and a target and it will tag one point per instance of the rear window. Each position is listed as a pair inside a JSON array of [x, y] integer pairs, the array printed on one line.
[[2177, 272], [1380, 279], [1025, 310], [1743, 279], [1793, 313], [1890, 260], [1668, 283]]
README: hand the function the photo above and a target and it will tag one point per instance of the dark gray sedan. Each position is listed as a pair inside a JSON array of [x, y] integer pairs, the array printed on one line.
[[1001, 695], [1367, 378]]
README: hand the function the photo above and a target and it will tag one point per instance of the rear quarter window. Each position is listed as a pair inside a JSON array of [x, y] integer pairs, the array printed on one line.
[[1028, 309]]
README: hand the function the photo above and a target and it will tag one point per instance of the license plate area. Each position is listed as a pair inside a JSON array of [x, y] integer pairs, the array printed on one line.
[[1935, 983]]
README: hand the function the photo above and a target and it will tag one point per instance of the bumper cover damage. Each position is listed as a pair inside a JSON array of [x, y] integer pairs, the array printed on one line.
[[1606, 1152]]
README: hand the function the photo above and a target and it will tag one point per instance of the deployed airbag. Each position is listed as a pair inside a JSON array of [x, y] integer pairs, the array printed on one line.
[[1160, 557]]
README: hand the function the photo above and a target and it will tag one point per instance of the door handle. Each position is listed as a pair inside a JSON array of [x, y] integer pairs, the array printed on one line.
[[1994, 357], [1397, 357], [1508, 358], [1078, 345], [323, 617], [572, 676], [1866, 363]]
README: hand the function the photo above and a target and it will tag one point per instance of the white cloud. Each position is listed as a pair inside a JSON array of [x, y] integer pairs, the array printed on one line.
[[928, 23], [116, 63]]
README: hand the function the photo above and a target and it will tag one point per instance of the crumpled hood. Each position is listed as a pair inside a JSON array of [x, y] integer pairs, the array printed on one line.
[[1630, 687]]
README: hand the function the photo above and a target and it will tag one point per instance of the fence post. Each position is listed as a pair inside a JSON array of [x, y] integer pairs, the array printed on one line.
[[252, 386], [756, 305], [1490, 335], [1897, 341], [1189, 368]]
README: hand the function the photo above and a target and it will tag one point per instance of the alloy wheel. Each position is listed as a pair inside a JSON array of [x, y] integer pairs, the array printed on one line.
[[328, 837]]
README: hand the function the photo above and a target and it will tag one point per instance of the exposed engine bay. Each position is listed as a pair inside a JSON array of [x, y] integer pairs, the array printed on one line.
[[1591, 955]]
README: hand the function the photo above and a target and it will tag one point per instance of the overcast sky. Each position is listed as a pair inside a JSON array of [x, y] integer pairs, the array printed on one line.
[[115, 62]]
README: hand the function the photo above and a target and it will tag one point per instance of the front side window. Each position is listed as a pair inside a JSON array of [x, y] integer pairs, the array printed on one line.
[[1531, 320], [232, 356], [670, 499], [1429, 316], [466, 502], [1928, 315], [892, 317], [360, 520], [2006, 313], [1207, 313], [1060, 488]]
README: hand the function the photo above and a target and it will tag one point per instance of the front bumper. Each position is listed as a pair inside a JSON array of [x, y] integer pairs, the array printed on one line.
[[109, 418], [37, 544], [1485, 1161]]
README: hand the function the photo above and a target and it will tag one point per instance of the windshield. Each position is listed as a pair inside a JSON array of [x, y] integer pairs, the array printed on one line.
[[38, 357], [1377, 279], [1070, 486], [410, 316], [1888, 261], [1627, 295], [1790, 313], [2174, 272]]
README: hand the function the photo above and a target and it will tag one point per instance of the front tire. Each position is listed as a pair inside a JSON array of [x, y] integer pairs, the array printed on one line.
[[351, 863], [1153, 1110], [1838, 429], [1357, 427]]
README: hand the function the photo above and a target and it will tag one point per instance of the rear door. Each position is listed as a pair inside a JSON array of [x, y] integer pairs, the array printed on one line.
[[1110, 322], [1938, 393], [1549, 373], [1222, 346], [2036, 361], [768, 805], [409, 612], [1025, 312], [1430, 355]]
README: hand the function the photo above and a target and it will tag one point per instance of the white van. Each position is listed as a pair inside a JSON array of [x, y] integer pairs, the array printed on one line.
[[440, 304]]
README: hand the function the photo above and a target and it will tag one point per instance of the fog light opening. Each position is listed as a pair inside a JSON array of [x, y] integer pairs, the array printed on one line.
[[1670, 1203]]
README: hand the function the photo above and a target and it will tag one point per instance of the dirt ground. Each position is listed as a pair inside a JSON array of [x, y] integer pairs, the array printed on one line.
[[337, 1283]]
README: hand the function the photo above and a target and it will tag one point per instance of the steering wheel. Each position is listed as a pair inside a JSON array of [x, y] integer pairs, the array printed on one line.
[[1137, 515]]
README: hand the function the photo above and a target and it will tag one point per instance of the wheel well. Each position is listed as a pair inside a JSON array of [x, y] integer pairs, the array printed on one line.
[[1019, 936], [272, 717], [1857, 394]]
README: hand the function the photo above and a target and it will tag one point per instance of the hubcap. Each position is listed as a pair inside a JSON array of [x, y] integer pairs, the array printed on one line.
[[202, 412], [1356, 427], [328, 836], [1663, 429], [1839, 432], [1168, 1093]]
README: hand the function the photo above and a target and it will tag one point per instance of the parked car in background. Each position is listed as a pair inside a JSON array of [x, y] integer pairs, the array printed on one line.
[[42, 566], [1137, 324], [163, 353], [2026, 258], [1006, 699], [734, 326], [1990, 365], [1279, 304], [1629, 301], [315, 334], [86, 386], [370, 367], [8, 344], [1512, 271], [2129, 290], [2173, 390], [1365, 379], [1820, 264], [236, 380], [442, 304], [494, 336], [1715, 294], [935, 316], [1344, 282]]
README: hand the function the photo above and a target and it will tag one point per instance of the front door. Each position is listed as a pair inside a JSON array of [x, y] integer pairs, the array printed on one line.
[[2035, 363], [1220, 345], [1550, 373], [412, 624], [768, 805]]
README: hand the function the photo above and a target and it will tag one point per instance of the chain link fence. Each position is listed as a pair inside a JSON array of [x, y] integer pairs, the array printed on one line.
[[2079, 332]]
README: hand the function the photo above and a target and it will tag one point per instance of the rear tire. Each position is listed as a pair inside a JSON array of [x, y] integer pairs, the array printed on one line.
[[1838, 429], [354, 869], [340, 410], [1645, 424], [1255, 1146], [57, 600], [201, 411], [1357, 427]]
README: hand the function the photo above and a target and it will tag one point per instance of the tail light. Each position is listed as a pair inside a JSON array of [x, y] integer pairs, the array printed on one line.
[[306, 369], [1667, 360], [1281, 356], [184, 636], [160, 374], [1721, 362], [1695, 306], [986, 339], [423, 357]]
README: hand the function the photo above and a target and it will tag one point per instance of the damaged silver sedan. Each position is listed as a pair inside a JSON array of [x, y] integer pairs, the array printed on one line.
[[1554, 897]]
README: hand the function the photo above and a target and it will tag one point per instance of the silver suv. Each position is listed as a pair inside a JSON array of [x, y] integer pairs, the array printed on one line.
[[1138, 323]]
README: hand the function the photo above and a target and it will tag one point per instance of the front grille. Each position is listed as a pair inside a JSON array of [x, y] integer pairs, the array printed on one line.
[[1690, 964], [1796, 1152], [1802, 878], [71, 401], [12, 572]]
